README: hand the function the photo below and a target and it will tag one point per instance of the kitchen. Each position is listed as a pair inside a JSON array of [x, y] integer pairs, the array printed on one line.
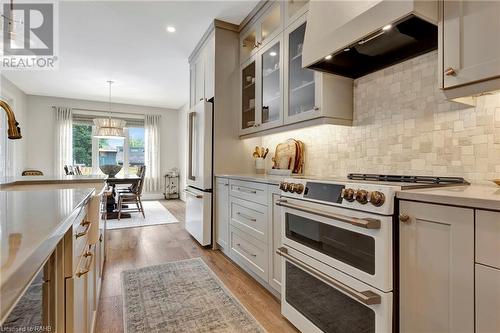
[[371, 205]]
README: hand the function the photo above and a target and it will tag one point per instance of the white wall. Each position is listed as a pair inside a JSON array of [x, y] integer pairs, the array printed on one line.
[[16, 148], [183, 123], [40, 130]]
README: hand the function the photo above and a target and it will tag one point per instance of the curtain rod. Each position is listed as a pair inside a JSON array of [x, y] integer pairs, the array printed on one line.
[[123, 114]]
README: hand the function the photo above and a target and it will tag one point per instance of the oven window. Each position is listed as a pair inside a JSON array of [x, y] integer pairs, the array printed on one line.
[[352, 248], [326, 307]]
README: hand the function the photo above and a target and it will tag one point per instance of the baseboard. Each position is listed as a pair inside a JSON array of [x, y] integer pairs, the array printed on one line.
[[152, 196]]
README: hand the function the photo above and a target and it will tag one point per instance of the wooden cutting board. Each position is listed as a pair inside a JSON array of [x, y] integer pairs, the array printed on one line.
[[289, 155]]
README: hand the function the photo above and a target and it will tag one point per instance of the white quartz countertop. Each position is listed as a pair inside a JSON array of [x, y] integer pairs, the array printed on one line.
[[38, 180], [267, 179], [31, 225], [474, 196]]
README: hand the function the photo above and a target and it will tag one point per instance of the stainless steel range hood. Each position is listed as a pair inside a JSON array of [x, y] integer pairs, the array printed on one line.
[[355, 38]]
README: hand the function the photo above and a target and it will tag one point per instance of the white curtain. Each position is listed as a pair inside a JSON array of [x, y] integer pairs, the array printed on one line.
[[63, 139], [152, 153]]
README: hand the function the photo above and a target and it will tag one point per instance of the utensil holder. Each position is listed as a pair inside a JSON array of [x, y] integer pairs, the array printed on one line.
[[260, 166]]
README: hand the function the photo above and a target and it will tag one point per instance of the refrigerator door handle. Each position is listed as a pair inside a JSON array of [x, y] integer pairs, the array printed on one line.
[[192, 152], [197, 196]]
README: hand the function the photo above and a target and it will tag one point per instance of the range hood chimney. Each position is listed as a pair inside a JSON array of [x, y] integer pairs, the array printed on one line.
[[355, 38]]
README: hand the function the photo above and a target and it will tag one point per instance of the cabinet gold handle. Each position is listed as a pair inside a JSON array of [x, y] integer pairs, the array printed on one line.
[[450, 72], [89, 256], [247, 217], [246, 251], [405, 218], [86, 225]]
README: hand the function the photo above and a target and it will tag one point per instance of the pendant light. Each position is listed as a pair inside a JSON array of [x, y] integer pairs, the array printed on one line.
[[109, 128]]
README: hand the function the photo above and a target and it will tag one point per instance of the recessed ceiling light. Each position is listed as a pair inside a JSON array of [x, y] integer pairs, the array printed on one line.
[[328, 57], [170, 28], [387, 27], [347, 49], [273, 54]]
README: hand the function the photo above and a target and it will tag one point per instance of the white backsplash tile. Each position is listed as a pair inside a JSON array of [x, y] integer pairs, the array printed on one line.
[[404, 125]]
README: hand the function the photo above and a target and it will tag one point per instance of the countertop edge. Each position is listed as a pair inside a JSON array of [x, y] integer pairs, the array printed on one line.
[[34, 262], [253, 178]]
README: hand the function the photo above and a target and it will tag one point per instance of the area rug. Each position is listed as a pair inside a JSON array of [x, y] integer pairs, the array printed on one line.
[[181, 296], [155, 213]]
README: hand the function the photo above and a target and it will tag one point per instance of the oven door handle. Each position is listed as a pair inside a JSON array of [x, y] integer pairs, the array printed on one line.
[[367, 223], [366, 297]]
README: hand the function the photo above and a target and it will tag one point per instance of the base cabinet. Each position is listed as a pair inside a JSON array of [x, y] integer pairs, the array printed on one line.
[[436, 268], [487, 299], [222, 214]]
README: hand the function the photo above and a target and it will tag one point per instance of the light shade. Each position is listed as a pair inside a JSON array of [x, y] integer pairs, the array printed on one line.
[[109, 128]]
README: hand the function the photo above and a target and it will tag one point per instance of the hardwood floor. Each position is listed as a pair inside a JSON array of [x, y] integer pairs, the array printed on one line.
[[139, 247]]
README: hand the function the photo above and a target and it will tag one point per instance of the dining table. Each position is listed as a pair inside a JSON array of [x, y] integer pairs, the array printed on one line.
[[111, 211]]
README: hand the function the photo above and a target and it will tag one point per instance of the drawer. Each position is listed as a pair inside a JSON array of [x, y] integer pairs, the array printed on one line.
[[81, 228], [488, 238], [250, 217], [487, 299], [249, 252], [251, 191]]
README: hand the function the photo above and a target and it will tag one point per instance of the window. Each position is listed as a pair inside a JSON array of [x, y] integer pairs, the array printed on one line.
[[82, 147], [128, 152]]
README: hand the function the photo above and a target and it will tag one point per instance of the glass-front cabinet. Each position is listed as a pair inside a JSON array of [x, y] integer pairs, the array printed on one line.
[[301, 84], [294, 9], [262, 30], [262, 89]]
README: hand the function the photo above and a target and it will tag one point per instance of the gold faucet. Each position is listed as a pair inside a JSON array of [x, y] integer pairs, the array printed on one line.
[[14, 132]]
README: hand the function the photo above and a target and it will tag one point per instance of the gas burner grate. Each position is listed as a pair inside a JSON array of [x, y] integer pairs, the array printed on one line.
[[408, 179]]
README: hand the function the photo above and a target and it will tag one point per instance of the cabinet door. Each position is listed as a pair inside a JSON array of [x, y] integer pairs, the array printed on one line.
[[270, 23], [222, 211], [302, 89], [270, 111], [436, 268], [199, 69], [274, 239], [294, 9], [471, 43], [487, 299], [248, 43], [248, 96], [209, 54]]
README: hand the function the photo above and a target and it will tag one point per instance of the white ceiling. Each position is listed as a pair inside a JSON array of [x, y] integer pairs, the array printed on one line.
[[126, 41]]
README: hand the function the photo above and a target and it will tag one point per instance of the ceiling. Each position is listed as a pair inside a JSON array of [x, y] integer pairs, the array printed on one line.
[[126, 41]]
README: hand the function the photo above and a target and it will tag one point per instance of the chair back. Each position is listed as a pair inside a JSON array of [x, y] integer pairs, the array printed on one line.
[[141, 182], [32, 173]]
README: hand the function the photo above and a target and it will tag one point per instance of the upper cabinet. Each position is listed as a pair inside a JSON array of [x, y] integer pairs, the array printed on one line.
[[275, 89], [262, 30], [202, 73], [470, 45]]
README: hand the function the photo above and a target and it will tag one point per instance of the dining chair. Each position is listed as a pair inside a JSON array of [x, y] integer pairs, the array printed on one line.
[[132, 197]]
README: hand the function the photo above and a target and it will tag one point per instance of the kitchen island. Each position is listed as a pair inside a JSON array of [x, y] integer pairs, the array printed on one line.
[[20, 183], [36, 225]]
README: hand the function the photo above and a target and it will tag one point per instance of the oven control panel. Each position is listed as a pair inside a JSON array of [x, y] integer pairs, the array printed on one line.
[[368, 197]]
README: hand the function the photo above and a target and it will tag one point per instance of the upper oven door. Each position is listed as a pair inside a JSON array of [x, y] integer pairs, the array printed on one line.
[[356, 243]]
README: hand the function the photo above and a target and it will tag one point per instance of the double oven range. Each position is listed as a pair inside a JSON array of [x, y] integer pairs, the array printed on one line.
[[340, 251]]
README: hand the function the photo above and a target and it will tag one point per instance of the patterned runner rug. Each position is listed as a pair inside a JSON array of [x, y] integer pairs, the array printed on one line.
[[181, 296]]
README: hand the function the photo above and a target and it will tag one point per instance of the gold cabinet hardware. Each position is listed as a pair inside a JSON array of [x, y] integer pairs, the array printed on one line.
[[86, 226], [89, 256], [450, 72], [405, 218]]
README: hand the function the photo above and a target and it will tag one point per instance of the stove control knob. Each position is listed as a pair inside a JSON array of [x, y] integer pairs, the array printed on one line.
[[298, 188], [377, 198], [348, 194], [289, 187], [362, 196], [283, 186]]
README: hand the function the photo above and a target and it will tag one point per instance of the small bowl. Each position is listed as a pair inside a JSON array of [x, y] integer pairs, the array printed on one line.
[[110, 169], [496, 181]]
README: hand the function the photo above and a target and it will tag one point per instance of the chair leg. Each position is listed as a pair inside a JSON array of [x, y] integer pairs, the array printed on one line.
[[142, 208]]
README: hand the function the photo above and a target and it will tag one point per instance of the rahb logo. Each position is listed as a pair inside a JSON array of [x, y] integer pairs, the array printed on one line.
[[29, 36]]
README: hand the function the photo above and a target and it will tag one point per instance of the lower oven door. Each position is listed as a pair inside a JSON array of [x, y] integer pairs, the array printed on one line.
[[356, 243], [318, 298]]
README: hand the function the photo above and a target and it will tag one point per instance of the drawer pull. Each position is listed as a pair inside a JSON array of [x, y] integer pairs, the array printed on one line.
[[246, 191], [246, 251], [367, 297], [247, 217], [89, 256], [86, 225], [450, 72]]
